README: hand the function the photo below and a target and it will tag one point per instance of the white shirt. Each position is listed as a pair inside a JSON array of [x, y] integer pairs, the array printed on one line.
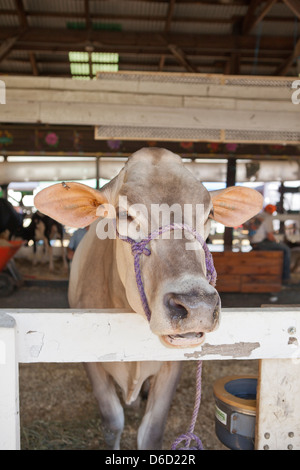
[[265, 227]]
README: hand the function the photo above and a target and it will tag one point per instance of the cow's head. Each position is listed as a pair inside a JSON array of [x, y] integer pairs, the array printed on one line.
[[182, 302]]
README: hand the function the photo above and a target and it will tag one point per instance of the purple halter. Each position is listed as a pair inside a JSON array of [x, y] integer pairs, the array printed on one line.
[[139, 248]]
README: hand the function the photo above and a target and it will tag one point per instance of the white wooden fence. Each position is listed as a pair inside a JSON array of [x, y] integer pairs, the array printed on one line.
[[270, 334]]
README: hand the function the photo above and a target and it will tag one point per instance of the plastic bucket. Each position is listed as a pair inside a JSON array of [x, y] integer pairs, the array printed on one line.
[[7, 252], [235, 411]]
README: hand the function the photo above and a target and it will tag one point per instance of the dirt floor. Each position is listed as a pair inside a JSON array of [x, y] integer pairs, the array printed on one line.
[[57, 407]]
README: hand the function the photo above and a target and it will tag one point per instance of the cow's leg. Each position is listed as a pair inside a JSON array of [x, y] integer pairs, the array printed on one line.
[[111, 410], [60, 232], [151, 430], [34, 253], [50, 253], [63, 255]]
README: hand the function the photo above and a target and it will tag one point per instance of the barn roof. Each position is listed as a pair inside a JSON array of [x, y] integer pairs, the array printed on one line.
[[246, 37]]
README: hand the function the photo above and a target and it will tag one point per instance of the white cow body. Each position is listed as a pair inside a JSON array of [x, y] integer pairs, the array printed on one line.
[[95, 283], [184, 306]]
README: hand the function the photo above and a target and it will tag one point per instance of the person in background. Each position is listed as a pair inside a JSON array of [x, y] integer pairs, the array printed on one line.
[[262, 238], [74, 241]]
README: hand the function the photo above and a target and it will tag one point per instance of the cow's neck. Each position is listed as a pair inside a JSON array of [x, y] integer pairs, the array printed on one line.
[[117, 290]]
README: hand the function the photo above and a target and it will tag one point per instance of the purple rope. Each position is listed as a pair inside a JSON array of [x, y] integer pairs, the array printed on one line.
[[189, 436], [139, 248]]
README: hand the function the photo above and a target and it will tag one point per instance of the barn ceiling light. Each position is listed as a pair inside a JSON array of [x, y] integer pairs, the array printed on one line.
[[104, 68], [78, 56], [105, 57], [85, 65], [79, 68]]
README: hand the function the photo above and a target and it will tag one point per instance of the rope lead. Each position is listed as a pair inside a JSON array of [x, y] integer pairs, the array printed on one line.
[[190, 436]]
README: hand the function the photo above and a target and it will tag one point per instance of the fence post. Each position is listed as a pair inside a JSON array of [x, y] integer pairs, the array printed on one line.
[[278, 405], [9, 385]]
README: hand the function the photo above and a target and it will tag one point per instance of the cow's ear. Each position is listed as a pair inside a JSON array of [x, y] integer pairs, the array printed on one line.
[[235, 204], [72, 204]]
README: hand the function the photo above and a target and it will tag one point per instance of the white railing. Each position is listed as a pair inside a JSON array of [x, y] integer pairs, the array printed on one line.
[[270, 334]]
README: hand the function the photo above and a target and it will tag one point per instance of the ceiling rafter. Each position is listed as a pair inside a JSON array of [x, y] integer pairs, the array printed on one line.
[[251, 19], [62, 39], [24, 24], [173, 45], [294, 5], [176, 50], [180, 56], [167, 28], [7, 45], [284, 68], [87, 14], [140, 17]]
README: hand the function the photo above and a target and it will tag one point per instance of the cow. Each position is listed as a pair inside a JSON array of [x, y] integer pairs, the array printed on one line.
[[45, 228], [10, 220], [41, 227], [184, 305]]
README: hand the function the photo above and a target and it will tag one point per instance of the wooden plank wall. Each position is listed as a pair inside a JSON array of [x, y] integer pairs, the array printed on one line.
[[255, 271], [142, 102]]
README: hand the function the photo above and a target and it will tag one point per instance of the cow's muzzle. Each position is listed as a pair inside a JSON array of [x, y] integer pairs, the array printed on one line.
[[191, 315]]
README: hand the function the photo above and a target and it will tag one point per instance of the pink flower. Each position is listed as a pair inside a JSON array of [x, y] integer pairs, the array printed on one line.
[[231, 147], [213, 146], [114, 144], [187, 145], [51, 139]]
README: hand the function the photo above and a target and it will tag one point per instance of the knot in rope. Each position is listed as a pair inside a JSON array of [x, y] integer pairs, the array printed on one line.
[[139, 248], [188, 438]]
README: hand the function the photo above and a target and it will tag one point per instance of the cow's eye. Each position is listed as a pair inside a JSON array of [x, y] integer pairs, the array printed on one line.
[[123, 215]]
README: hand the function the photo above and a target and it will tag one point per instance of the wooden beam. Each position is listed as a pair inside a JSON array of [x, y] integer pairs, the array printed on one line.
[[142, 104], [7, 46], [101, 336], [232, 66], [21, 13], [24, 23], [294, 5], [122, 17], [284, 68], [33, 63], [166, 30], [249, 15], [278, 383], [39, 39], [88, 22], [169, 15], [251, 20], [181, 58]]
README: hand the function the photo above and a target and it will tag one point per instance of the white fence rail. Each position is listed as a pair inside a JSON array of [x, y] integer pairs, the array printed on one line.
[[270, 334]]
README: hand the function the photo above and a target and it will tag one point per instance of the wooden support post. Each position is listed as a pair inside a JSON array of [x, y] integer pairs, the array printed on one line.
[[230, 181], [278, 404], [9, 386], [97, 173]]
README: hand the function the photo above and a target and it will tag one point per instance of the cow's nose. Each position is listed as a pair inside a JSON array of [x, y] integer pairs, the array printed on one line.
[[204, 305]]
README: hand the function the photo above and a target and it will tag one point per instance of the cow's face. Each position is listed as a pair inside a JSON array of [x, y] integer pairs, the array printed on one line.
[[155, 189]]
